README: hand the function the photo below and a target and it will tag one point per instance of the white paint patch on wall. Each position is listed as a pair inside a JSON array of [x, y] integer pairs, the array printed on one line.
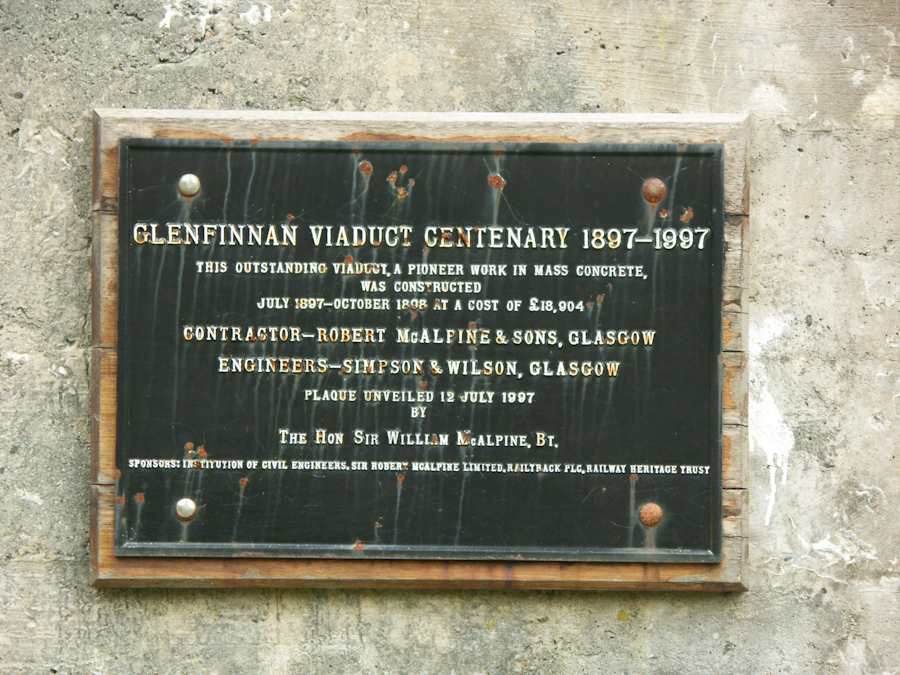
[[881, 108], [854, 660], [882, 288], [768, 430], [826, 558], [397, 67], [844, 548], [173, 9], [206, 9], [253, 15], [767, 100], [29, 496]]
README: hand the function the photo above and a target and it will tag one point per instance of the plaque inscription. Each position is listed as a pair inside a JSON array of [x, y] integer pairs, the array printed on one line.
[[420, 350]]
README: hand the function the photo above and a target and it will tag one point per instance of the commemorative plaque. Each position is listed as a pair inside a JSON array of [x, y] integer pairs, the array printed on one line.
[[394, 350]]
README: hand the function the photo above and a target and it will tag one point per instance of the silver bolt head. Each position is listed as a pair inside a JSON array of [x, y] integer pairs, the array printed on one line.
[[186, 509], [189, 185]]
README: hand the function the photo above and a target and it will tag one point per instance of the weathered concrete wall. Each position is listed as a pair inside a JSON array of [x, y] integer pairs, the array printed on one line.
[[819, 77]]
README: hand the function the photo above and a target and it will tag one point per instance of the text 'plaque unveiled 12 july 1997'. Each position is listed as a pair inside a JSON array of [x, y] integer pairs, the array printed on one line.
[[420, 350]]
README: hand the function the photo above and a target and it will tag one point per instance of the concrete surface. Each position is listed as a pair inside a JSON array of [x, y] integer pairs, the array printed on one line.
[[819, 77]]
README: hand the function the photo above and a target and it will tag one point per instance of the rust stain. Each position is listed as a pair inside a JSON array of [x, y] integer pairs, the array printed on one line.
[[348, 260], [202, 452], [401, 193], [404, 169], [473, 325], [120, 500], [650, 573], [244, 482], [728, 333], [365, 167], [252, 554], [359, 546], [728, 399], [600, 299], [664, 213], [422, 385], [495, 180], [411, 182], [687, 215], [731, 399], [392, 178], [400, 478], [117, 474], [654, 190], [745, 196], [139, 498], [651, 514], [188, 446]]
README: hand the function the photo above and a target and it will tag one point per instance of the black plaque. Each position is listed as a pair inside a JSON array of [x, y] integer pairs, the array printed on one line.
[[420, 350]]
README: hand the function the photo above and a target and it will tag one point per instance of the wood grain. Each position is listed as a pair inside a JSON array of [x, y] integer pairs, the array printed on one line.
[[105, 291], [103, 422], [735, 267], [735, 280], [735, 388], [112, 571], [734, 456], [113, 124], [109, 570], [734, 331]]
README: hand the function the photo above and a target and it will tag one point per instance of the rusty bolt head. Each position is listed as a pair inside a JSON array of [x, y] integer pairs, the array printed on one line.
[[654, 190], [185, 509], [495, 180], [651, 514], [189, 185]]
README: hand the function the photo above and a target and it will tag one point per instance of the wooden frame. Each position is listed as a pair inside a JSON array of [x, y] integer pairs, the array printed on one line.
[[107, 570]]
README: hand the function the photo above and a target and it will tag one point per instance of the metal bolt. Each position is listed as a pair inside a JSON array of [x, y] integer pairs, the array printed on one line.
[[654, 190], [189, 185], [185, 509], [651, 514]]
